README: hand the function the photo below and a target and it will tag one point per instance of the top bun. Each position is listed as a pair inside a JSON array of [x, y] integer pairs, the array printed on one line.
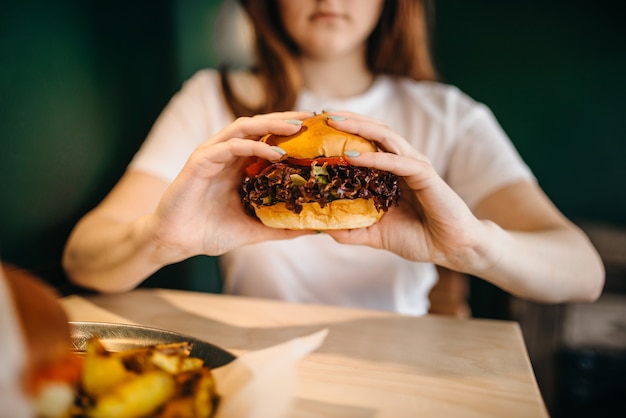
[[318, 139]]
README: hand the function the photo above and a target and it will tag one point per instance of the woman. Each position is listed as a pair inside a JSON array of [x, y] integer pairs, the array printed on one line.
[[472, 206]]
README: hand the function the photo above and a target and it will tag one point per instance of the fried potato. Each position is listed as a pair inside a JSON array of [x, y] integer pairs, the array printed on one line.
[[161, 381], [175, 364], [136, 398], [190, 364], [197, 398], [101, 370], [205, 399]]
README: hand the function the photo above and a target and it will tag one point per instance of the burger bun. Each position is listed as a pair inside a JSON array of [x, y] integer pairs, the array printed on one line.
[[338, 214], [317, 138]]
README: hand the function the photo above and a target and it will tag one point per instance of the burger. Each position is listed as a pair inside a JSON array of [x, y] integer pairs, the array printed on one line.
[[313, 187]]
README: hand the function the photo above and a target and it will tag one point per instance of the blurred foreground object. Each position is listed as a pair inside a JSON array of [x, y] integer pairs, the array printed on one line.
[[45, 370], [13, 402]]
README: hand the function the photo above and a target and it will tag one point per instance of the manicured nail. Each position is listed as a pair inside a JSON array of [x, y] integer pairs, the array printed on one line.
[[279, 150], [336, 117], [352, 153], [296, 122]]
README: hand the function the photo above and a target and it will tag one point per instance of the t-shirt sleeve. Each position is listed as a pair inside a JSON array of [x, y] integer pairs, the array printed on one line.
[[483, 159], [187, 121]]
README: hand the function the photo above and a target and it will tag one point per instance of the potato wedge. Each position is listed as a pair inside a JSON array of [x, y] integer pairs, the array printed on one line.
[[159, 381], [101, 371], [136, 398]]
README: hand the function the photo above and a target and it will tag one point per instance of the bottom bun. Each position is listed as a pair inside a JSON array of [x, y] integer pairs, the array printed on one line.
[[338, 214]]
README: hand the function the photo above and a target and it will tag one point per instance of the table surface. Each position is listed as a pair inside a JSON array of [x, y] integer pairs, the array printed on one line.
[[372, 363]]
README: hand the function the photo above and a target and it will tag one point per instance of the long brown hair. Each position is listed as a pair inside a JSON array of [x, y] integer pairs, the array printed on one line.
[[397, 46]]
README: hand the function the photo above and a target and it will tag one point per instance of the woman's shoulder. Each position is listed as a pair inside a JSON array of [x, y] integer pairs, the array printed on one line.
[[445, 100], [200, 87], [205, 76]]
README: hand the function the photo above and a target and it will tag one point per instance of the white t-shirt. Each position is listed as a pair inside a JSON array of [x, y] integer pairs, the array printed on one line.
[[461, 137]]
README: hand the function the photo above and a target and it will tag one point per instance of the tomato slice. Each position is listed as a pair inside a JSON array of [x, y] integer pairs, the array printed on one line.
[[258, 166], [255, 168], [321, 160]]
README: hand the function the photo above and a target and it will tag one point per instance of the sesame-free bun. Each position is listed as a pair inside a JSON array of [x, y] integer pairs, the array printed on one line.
[[316, 139], [338, 214]]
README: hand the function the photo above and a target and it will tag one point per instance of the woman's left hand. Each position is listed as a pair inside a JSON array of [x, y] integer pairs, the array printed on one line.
[[432, 223]]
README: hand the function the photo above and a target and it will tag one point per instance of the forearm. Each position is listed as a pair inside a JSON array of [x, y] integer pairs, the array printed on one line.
[[553, 265], [111, 256]]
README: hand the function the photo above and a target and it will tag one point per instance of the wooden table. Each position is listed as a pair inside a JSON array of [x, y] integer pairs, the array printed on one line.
[[372, 364]]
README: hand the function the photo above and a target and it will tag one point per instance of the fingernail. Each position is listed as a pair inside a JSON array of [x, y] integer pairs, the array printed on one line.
[[296, 122], [336, 117], [279, 150], [352, 153]]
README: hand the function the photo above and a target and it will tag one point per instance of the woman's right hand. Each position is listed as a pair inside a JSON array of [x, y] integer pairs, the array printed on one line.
[[201, 211]]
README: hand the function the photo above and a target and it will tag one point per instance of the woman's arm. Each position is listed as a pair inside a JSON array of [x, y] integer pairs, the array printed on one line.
[[111, 248], [538, 253], [145, 223]]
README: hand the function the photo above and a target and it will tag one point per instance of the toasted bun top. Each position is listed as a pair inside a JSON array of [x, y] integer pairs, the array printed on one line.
[[318, 139]]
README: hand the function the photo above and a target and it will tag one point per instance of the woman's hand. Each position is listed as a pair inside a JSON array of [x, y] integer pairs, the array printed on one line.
[[432, 223], [145, 223], [201, 211], [522, 243]]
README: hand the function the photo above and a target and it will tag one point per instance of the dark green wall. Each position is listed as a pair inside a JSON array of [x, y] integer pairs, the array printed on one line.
[[80, 85], [81, 82], [553, 73]]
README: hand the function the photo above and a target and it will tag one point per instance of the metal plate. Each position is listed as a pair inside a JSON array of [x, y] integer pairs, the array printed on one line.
[[119, 337]]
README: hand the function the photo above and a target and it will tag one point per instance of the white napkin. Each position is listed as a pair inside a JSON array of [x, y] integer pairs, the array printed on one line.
[[262, 383]]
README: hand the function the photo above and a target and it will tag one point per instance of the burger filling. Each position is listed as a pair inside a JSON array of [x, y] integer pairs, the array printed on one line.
[[297, 181]]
